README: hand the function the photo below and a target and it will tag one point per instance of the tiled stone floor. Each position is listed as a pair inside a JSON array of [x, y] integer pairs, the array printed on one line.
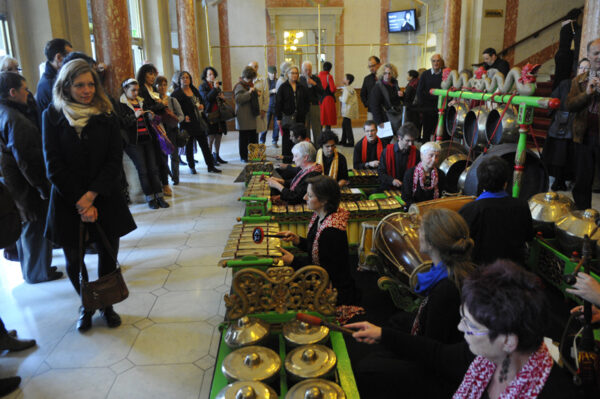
[[168, 342]]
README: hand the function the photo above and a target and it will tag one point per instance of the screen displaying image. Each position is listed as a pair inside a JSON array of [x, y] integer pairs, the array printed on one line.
[[402, 21]]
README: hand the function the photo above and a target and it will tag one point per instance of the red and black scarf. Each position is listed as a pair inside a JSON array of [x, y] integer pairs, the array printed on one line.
[[390, 160], [364, 149]]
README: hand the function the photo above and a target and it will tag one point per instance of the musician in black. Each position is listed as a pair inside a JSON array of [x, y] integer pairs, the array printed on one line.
[[499, 224], [367, 150], [399, 157]]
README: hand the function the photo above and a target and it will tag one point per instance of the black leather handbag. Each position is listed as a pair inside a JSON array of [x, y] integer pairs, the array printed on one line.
[[108, 289]]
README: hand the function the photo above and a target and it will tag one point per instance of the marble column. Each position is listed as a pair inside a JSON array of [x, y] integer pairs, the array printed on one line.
[[188, 42], [451, 35], [591, 28], [113, 42]]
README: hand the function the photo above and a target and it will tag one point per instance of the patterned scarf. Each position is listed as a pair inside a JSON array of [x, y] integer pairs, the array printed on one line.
[[528, 382], [333, 169], [315, 167], [419, 178], [365, 142], [338, 220]]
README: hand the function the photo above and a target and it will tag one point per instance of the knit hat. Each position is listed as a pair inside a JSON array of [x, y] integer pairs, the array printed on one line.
[[272, 69]]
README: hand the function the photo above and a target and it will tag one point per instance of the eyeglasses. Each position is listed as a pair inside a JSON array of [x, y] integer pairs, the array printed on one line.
[[372, 65], [470, 329]]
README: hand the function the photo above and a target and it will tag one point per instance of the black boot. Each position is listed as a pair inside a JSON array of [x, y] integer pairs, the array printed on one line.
[[181, 161], [212, 169], [85, 319], [215, 159], [111, 317], [12, 344], [221, 160], [160, 201], [8, 385]]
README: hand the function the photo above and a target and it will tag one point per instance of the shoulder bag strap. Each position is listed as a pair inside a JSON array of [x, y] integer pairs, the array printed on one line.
[[385, 94], [107, 245], [81, 249]]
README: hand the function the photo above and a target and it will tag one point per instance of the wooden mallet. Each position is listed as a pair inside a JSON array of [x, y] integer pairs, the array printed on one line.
[[317, 321]]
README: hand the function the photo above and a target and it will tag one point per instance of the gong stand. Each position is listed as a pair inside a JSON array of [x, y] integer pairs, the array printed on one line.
[[526, 106]]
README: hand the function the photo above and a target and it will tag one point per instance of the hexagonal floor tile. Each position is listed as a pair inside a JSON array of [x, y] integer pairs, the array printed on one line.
[[172, 343], [195, 278], [99, 347], [139, 279], [152, 257], [199, 257], [136, 307], [182, 306], [182, 381], [89, 383]]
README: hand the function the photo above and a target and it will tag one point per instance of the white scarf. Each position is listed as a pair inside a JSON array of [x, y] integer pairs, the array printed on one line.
[[78, 115]]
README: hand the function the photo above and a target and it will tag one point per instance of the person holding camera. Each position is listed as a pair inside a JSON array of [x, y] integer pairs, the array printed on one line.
[[291, 106], [583, 101]]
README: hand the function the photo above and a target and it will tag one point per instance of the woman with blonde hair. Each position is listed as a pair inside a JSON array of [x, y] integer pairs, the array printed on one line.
[[83, 151], [386, 94], [444, 237]]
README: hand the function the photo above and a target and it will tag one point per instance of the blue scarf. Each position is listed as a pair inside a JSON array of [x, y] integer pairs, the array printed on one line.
[[487, 194], [426, 281]]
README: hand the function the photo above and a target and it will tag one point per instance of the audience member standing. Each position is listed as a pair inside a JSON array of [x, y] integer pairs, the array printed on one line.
[[291, 107], [142, 143], [385, 95], [315, 91], [328, 113], [408, 96], [568, 46], [349, 110], [171, 125], [247, 109], [492, 61], [369, 82], [262, 91], [584, 102], [55, 50], [211, 93], [272, 82], [24, 172], [430, 79], [190, 100], [84, 155]]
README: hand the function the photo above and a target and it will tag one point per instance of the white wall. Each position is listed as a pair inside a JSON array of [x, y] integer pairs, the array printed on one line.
[[247, 26]]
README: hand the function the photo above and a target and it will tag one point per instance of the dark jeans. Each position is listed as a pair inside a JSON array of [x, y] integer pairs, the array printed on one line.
[[263, 135], [347, 134], [106, 260], [246, 137], [586, 155], [164, 167], [430, 120], [202, 140], [286, 142], [35, 252], [143, 155]]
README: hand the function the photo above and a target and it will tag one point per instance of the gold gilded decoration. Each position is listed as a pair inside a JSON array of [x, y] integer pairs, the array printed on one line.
[[280, 289], [257, 152]]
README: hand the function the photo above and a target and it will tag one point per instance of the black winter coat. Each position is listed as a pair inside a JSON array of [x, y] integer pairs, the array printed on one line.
[[377, 102], [77, 165], [43, 93], [22, 159], [193, 127], [128, 122], [286, 105], [209, 97]]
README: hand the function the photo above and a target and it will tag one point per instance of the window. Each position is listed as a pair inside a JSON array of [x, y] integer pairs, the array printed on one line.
[[137, 43], [91, 25], [5, 43], [174, 35]]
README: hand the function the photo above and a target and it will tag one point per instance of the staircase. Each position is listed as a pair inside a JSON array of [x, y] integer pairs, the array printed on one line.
[[541, 120]]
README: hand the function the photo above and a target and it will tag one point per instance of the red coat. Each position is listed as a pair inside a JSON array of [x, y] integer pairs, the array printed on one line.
[[328, 111]]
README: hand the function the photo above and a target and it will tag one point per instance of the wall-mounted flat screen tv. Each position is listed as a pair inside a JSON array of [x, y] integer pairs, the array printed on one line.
[[402, 21]]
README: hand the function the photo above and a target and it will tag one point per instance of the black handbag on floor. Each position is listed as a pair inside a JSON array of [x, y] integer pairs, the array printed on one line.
[[108, 289]]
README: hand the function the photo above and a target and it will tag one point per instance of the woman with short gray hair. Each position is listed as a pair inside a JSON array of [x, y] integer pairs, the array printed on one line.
[[425, 181], [293, 191]]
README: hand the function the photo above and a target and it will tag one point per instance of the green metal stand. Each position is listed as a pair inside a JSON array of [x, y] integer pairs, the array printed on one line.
[[525, 119]]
